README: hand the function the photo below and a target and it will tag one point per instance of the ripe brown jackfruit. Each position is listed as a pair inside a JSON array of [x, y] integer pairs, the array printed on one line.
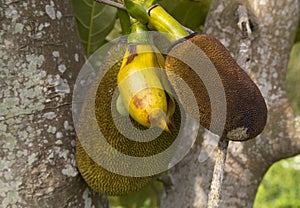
[[246, 112]]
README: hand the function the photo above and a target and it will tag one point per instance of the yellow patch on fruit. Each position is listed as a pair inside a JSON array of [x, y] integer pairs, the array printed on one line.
[[141, 86]]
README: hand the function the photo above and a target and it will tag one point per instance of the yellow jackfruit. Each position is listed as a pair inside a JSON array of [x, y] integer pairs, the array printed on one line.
[[141, 86]]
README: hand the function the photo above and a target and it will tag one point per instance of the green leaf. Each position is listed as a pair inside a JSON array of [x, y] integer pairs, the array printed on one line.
[[149, 197], [94, 21], [280, 186], [293, 77], [189, 13]]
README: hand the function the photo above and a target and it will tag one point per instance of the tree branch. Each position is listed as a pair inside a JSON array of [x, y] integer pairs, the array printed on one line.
[[218, 175], [112, 3]]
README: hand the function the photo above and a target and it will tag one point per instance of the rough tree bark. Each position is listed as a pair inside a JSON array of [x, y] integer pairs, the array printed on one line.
[[264, 55], [40, 56]]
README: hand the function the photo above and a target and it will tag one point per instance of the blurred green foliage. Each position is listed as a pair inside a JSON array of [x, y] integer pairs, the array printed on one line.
[[293, 77], [190, 13], [149, 197], [280, 187]]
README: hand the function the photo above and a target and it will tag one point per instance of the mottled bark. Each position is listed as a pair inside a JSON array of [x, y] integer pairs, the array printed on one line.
[[40, 56], [264, 55]]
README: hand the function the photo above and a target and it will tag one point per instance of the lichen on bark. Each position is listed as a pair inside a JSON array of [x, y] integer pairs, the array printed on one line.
[[40, 56]]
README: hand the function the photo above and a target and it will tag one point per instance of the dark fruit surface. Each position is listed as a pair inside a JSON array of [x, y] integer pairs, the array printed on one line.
[[246, 112]]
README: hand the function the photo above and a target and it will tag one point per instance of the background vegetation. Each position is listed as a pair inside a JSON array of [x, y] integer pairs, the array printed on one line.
[[281, 185]]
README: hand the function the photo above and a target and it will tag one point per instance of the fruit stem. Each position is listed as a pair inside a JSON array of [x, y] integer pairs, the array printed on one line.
[[162, 21], [158, 19], [137, 11], [138, 34], [218, 174]]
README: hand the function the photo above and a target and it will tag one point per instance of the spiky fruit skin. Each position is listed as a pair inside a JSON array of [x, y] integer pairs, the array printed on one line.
[[104, 181], [97, 177], [246, 108]]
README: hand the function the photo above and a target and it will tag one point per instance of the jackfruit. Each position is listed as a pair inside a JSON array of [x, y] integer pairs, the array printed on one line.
[[246, 110], [89, 150]]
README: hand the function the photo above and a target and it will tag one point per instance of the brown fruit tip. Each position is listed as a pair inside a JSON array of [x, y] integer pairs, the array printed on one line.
[[157, 118]]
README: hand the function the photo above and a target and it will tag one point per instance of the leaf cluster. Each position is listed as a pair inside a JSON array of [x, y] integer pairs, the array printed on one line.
[[280, 187], [99, 23]]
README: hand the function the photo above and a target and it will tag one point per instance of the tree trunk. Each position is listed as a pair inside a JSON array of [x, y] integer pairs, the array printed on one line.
[[40, 56], [264, 54]]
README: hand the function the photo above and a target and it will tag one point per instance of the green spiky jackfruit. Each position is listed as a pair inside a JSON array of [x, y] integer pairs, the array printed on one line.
[[97, 177]]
